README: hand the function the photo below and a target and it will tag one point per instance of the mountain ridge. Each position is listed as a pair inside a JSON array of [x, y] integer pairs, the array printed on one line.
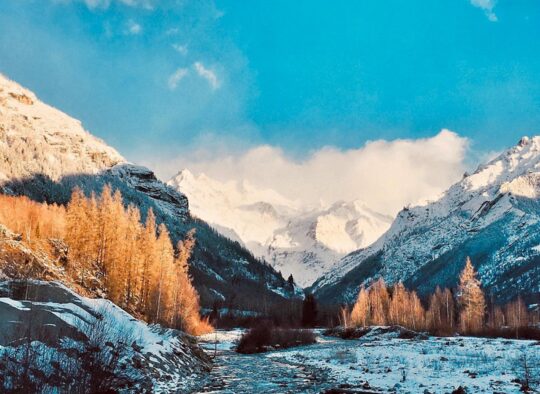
[[297, 240], [492, 215]]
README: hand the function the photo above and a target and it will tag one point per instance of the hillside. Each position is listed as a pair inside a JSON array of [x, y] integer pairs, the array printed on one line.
[[53, 339], [303, 241], [45, 154], [492, 215]]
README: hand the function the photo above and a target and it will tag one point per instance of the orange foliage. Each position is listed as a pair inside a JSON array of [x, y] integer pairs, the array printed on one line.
[[110, 250], [34, 221]]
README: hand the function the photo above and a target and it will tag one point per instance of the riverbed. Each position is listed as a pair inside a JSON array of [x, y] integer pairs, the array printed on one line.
[[374, 364]]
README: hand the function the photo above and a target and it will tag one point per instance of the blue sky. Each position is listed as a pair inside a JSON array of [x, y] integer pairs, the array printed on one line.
[[164, 79]]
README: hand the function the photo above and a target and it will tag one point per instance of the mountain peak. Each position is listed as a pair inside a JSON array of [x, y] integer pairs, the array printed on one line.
[[184, 174], [37, 139], [523, 141], [304, 241], [492, 215]]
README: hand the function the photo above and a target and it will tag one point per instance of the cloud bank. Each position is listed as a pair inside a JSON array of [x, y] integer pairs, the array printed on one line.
[[387, 175]]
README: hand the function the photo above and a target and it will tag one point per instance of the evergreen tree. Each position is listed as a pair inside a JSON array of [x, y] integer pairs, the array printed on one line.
[[290, 280], [111, 252], [309, 311]]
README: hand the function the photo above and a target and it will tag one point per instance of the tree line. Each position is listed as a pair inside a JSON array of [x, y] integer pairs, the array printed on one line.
[[463, 310], [112, 251]]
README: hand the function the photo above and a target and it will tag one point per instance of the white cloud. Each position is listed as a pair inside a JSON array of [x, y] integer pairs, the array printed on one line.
[[133, 27], [176, 77], [207, 74], [387, 175], [180, 48], [488, 6], [92, 4]]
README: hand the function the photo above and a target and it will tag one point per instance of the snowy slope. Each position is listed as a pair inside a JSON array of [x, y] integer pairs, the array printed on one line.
[[302, 241], [36, 138], [492, 215], [66, 327]]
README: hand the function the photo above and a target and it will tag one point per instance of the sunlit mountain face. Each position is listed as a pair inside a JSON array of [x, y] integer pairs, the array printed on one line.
[[295, 239], [491, 215]]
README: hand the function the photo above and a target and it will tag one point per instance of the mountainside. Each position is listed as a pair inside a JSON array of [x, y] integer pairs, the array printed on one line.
[[493, 216], [53, 340], [38, 139], [304, 242], [44, 154]]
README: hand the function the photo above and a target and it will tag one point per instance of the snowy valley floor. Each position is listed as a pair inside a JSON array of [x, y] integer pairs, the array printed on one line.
[[375, 363]]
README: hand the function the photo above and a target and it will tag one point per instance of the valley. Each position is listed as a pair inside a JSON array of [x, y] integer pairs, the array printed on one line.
[[113, 280]]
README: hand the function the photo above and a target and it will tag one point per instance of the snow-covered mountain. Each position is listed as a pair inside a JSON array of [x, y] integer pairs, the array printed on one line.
[[492, 215], [36, 138], [44, 153], [303, 241]]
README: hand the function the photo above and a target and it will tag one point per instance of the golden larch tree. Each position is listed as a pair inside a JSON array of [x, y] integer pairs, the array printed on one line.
[[471, 300]]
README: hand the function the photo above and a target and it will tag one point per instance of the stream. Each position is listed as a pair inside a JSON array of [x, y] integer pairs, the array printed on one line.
[[260, 373]]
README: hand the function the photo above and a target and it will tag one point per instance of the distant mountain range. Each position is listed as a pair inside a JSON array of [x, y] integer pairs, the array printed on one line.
[[492, 215], [303, 241], [44, 153]]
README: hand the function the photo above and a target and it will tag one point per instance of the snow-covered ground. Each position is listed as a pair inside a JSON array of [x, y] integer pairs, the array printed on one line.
[[414, 366], [382, 363], [63, 326]]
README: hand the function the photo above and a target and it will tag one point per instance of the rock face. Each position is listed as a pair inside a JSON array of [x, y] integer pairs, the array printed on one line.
[[44, 154], [493, 216], [73, 333], [303, 241], [144, 180]]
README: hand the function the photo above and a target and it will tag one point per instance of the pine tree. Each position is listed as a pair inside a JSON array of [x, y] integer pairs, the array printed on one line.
[[110, 251], [290, 280], [309, 311], [440, 314], [471, 300], [449, 310], [133, 263]]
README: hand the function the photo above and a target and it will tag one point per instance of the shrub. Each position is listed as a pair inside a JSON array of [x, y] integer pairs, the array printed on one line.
[[346, 332], [526, 332], [265, 337]]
